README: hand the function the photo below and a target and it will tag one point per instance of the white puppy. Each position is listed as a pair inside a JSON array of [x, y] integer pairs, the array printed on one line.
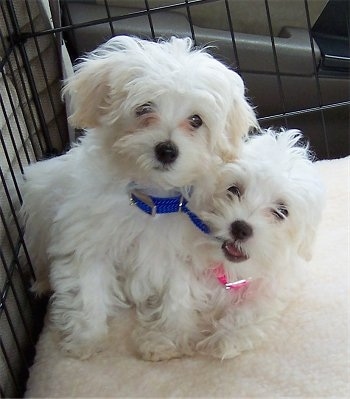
[[156, 116], [265, 212], [233, 284]]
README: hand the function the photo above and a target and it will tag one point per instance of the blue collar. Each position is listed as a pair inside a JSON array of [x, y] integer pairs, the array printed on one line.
[[157, 205]]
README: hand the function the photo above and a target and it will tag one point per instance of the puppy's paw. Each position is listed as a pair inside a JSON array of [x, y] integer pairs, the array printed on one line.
[[84, 349], [41, 287], [219, 346], [157, 351], [84, 345], [155, 346]]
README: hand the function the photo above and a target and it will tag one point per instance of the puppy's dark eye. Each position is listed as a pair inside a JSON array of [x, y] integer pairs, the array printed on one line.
[[144, 109], [195, 121], [281, 212], [234, 190]]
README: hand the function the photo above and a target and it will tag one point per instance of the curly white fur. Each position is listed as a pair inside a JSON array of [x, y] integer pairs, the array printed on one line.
[[265, 212], [89, 246]]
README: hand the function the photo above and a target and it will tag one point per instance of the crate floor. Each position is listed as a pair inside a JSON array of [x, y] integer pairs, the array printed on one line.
[[308, 356]]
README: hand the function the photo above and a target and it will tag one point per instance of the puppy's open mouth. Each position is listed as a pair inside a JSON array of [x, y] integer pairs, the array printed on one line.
[[233, 253]]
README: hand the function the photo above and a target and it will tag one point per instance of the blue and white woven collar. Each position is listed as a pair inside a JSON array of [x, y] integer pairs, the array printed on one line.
[[159, 205]]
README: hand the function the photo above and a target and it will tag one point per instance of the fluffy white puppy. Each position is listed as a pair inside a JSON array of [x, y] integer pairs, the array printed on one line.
[[265, 212], [156, 116]]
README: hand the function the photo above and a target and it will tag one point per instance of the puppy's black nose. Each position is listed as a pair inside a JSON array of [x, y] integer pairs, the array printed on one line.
[[166, 152], [241, 230]]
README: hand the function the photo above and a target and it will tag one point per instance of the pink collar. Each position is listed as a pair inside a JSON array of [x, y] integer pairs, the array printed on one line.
[[220, 274]]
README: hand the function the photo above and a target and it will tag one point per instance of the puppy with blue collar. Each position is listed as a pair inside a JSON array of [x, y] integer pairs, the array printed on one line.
[[159, 118]]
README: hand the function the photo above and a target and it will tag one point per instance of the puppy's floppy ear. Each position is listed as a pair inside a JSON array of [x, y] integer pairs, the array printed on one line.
[[306, 244], [314, 201], [88, 90], [97, 88], [241, 116], [241, 120]]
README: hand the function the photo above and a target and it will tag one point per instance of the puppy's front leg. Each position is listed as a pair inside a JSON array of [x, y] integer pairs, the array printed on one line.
[[166, 328], [237, 332], [81, 302]]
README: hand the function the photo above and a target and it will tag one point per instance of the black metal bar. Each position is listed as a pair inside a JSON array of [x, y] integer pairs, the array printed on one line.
[[15, 251], [7, 120], [234, 46], [100, 21], [2, 393], [190, 21], [318, 86], [15, 382], [8, 160], [150, 19], [43, 69], [18, 39], [275, 59], [109, 17], [305, 111], [17, 224], [14, 336], [11, 51], [18, 126], [9, 199], [9, 274], [66, 12]]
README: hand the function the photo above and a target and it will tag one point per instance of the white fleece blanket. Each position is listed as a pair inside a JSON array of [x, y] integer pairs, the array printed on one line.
[[307, 357]]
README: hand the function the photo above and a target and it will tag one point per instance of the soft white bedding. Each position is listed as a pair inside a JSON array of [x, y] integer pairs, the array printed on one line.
[[308, 357]]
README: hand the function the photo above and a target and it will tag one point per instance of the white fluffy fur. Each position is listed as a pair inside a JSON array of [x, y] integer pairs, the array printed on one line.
[[89, 246], [274, 169], [305, 357]]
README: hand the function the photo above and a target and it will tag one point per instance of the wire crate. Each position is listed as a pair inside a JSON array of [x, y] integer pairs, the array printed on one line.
[[33, 117]]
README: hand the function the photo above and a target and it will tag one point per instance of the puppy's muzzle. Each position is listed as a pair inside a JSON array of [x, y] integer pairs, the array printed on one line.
[[241, 230], [166, 152]]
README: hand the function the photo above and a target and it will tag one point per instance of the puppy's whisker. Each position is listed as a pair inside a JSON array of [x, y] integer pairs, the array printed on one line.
[[217, 238], [145, 162]]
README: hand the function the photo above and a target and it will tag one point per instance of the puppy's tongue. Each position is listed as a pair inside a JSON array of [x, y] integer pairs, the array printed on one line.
[[232, 252], [232, 249]]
